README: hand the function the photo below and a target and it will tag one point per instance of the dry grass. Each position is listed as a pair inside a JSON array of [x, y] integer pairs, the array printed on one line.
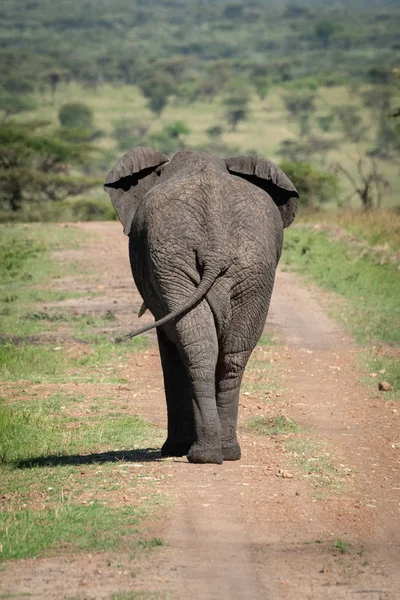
[[377, 227]]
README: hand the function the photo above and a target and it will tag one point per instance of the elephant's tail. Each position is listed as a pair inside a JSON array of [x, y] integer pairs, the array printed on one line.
[[209, 277]]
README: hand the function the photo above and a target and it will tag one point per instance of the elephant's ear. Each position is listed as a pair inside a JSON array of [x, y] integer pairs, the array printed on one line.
[[269, 177], [130, 179]]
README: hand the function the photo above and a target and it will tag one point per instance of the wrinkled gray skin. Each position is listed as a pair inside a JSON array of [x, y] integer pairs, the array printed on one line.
[[205, 237]]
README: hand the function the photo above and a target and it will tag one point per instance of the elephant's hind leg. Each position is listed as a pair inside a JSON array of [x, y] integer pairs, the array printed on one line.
[[198, 346], [236, 346], [229, 375], [178, 392]]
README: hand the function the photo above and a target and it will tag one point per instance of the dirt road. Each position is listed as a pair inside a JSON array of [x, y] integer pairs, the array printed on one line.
[[306, 516]]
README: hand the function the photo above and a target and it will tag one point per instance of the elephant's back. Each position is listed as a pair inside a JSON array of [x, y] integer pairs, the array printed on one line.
[[253, 221], [198, 208]]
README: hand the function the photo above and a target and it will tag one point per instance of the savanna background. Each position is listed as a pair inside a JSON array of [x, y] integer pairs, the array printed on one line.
[[313, 85]]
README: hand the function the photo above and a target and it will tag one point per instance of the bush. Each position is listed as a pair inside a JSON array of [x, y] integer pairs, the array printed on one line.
[[314, 186], [93, 210], [76, 115]]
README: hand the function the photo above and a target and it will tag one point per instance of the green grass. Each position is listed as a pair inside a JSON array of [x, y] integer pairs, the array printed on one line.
[[55, 364], [63, 469], [311, 457], [29, 274], [137, 595], [367, 292], [150, 544], [128, 595], [40, 428], [82, 326], [279, 425], [266, 339], [64, 457], [372, 290], [94, 527], [341, 546]]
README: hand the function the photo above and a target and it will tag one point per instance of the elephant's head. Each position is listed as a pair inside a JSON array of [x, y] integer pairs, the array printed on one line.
[[269, 177], [131, 178]]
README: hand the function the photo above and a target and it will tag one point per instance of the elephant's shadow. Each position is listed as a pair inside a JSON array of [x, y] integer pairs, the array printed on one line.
[[139, 455]]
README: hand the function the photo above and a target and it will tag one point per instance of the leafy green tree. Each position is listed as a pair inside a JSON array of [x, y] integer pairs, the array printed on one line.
[[171, 138], [233, 11], [157, 87], [129, 133], [309, 149], [350, 121], [13, 104], [314, 185], [176, 130], [36, 167], [324, 32], [301, 104], [215, 131], [236, 111], [54, 78], [380, 75], [76, 115], [260, 79], [18, 85], [387, 136], [236, 102], [325, 122], [378, 99]]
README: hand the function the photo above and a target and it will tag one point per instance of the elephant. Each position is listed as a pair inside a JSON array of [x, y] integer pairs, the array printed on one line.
[[205, 238]]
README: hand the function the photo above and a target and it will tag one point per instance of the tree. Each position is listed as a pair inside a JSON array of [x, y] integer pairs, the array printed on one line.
[[301, 104], [311, 148], [350, 121], [368, 184], [387, 136], [157, 87], [129, 133], [236, 111], [236, 102], [54, 79], [233, 11], [18, 85], [171, 138], [378, 99], [324, 31], [259, 78], [13, 104], [76, 115], [176, 130], [37, 167], [314, 186], [215, 132]]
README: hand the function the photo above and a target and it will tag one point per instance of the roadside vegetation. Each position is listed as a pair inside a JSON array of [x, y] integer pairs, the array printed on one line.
[[365, 285], [66, 476], [65, 452]]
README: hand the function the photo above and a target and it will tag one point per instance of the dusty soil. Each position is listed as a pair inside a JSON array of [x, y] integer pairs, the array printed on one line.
[[242, 530]]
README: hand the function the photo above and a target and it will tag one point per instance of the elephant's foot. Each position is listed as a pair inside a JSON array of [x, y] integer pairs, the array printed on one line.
[[205, 454], [231, 451], [175, 448]]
